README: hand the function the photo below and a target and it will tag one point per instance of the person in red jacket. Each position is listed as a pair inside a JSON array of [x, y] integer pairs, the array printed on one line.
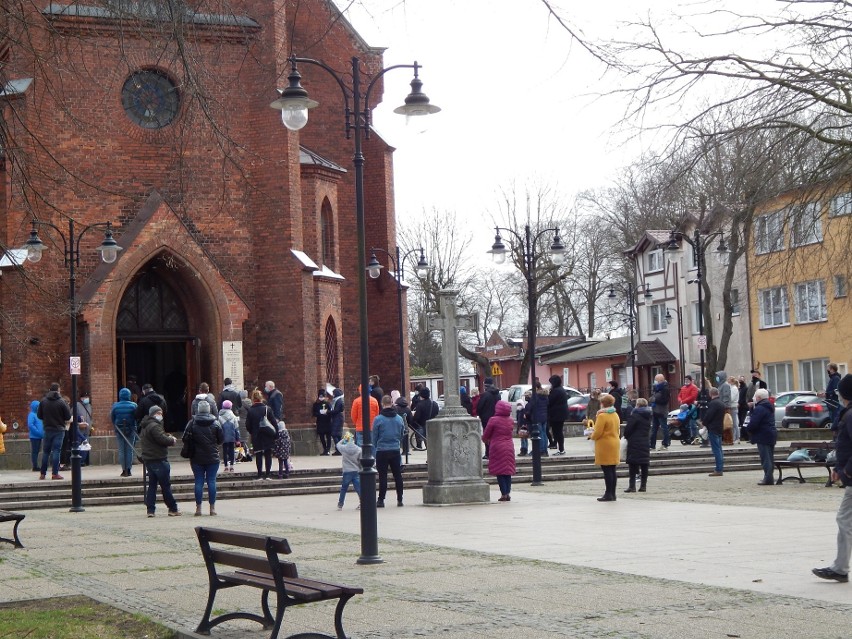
[[688, 392]]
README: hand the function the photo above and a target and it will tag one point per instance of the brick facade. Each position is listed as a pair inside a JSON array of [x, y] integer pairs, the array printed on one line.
[[214, 202]]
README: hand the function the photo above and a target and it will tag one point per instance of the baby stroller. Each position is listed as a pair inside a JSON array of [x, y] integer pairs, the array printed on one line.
[[685, 426]]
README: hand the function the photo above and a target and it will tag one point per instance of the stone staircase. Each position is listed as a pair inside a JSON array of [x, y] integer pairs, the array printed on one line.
[[106, 492]]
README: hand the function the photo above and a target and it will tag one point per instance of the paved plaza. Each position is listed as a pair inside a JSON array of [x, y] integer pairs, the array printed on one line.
[[693, 557]]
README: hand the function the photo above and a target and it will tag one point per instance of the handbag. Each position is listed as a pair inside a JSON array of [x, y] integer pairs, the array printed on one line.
[[728, 422], [188, 448], [523, 432], [266, 424], [623, 446]]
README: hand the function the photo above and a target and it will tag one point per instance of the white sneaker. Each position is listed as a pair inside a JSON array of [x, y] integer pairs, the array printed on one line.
[[663, 448]]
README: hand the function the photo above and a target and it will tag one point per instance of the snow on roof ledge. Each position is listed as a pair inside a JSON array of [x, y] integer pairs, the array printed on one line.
[[328, 274], [12, 257], [307, 263]]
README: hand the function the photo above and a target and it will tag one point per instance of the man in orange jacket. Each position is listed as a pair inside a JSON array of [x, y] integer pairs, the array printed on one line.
[[358, 416]]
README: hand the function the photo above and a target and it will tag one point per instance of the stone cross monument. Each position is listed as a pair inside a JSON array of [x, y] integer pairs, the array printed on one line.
[[454, 438]]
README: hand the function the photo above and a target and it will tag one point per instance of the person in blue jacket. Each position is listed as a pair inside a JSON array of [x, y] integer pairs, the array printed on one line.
[[123, 418], [35, 427], [761, 431]]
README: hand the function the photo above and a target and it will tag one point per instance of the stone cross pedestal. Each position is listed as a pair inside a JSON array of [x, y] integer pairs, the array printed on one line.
[[454, 439]]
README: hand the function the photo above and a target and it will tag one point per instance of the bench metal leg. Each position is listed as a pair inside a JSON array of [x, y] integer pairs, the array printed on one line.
[[15, 541], [338, 616]]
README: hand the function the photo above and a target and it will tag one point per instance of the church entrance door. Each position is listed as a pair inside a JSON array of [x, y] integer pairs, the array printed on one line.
[[155, 343]]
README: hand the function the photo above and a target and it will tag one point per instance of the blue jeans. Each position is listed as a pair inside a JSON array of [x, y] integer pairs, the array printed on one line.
[[542, 431], [52, 448], [716, 447], [159, 473], [349, 477], [660, 421], [359, 438], [505, 484], [125, 450], [205, 474], [35, 447], [228, 453], [767, 453]]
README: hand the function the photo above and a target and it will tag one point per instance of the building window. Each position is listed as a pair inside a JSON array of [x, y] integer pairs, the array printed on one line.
[[810, 302], [735, 301], [693, 257], [840, 289], [806, 226], [779, 377], [657, 318], [327, 253], [565, 373], [150, 98], [812, 376], [774, 307], [593, 381], [840, 205], [695, 318], [332, 371], [769, 234], [655, 261]]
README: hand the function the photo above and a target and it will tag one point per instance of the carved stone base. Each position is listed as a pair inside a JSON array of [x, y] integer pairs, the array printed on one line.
[[454, 460]]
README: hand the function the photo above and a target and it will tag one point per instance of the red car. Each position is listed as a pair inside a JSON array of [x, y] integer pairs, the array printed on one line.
[[577, 408]]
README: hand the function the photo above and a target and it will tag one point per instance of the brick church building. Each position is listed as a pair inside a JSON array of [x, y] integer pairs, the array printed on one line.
[[238, 236]]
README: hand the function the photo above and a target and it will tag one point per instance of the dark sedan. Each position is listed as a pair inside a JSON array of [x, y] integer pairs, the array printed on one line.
[[807, 412]]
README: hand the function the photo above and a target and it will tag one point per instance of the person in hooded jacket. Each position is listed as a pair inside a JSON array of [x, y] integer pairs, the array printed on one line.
[[338, 406], [281, 450], [35, 429], [427, 409], [536, 410], [204, 395], [321, 410], [501, 455], [465, 400], [206, 436], [230, 425], [154, 444], [636, 432], [351, 453], [557, 412], [486, 405], [607, 447], [388, 431], [262, 439], [123, 418], [55, 415], [402, 409], [229, 394]]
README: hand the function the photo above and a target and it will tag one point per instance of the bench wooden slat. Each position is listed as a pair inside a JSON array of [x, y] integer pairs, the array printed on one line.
[[254, 563], [246, 540], [296, 591]]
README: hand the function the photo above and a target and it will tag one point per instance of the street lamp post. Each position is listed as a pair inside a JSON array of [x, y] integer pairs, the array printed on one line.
[[612, 298], [294, 104], [526, 245], [699, 245], [374, 268], [71, 253]]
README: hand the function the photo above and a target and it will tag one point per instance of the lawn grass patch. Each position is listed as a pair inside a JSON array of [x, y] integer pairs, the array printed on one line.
[[75, 617]]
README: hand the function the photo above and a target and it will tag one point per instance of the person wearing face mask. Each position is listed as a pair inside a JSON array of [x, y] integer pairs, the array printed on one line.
[[85, 426], [154, 452], [839, 570]]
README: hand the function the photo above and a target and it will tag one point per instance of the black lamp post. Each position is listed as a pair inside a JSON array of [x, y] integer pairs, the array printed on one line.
[[374, 268], [294, 105], [71, 253], [526, 246], [612, 298], [699, 245]]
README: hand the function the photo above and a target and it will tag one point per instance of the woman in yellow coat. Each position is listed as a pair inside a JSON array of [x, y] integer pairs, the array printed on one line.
[[607, 450]]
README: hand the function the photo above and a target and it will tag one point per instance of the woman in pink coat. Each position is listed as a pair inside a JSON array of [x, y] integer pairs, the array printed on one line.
[[501, 448]]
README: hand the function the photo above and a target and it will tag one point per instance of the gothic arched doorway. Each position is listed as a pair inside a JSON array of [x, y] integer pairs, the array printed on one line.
[[156, 341]]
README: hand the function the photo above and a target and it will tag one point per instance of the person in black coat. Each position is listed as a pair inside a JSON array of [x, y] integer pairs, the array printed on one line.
[[636, 432], [206, 436], [262, 439], [486, 405], [150, 398], [557, 412], [714, 420], [321, 410], [617, 395]]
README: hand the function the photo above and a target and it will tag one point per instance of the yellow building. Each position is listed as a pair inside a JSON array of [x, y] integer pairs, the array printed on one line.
[[798, 280]]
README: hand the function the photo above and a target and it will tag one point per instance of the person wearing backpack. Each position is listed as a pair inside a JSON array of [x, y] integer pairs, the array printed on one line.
[[123, 420], [230, 434]]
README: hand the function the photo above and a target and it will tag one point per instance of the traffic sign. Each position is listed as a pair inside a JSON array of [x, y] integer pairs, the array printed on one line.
[[701, 342], [76, 365]]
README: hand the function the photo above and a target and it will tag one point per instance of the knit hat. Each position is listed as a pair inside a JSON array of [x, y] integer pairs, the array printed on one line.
[[845, 387], [227, 404], [154, 410], [462, 390], [489, 380], [203, 408]]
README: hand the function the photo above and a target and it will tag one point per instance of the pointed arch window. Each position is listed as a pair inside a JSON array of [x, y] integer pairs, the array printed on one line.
[[327, 246], [332, 372], [151, 305]]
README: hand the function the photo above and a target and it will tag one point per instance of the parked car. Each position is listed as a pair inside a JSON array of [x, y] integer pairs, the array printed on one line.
[[781, 401], [807, 411], [515, 395], [577, 406]]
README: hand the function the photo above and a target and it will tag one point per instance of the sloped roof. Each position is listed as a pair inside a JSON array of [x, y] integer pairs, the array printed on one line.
[[653, 352], [614, 347], [649, 239]]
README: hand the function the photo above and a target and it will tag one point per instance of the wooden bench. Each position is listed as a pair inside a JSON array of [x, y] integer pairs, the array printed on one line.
[[268, 573], [798, 465], [6, 515]]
